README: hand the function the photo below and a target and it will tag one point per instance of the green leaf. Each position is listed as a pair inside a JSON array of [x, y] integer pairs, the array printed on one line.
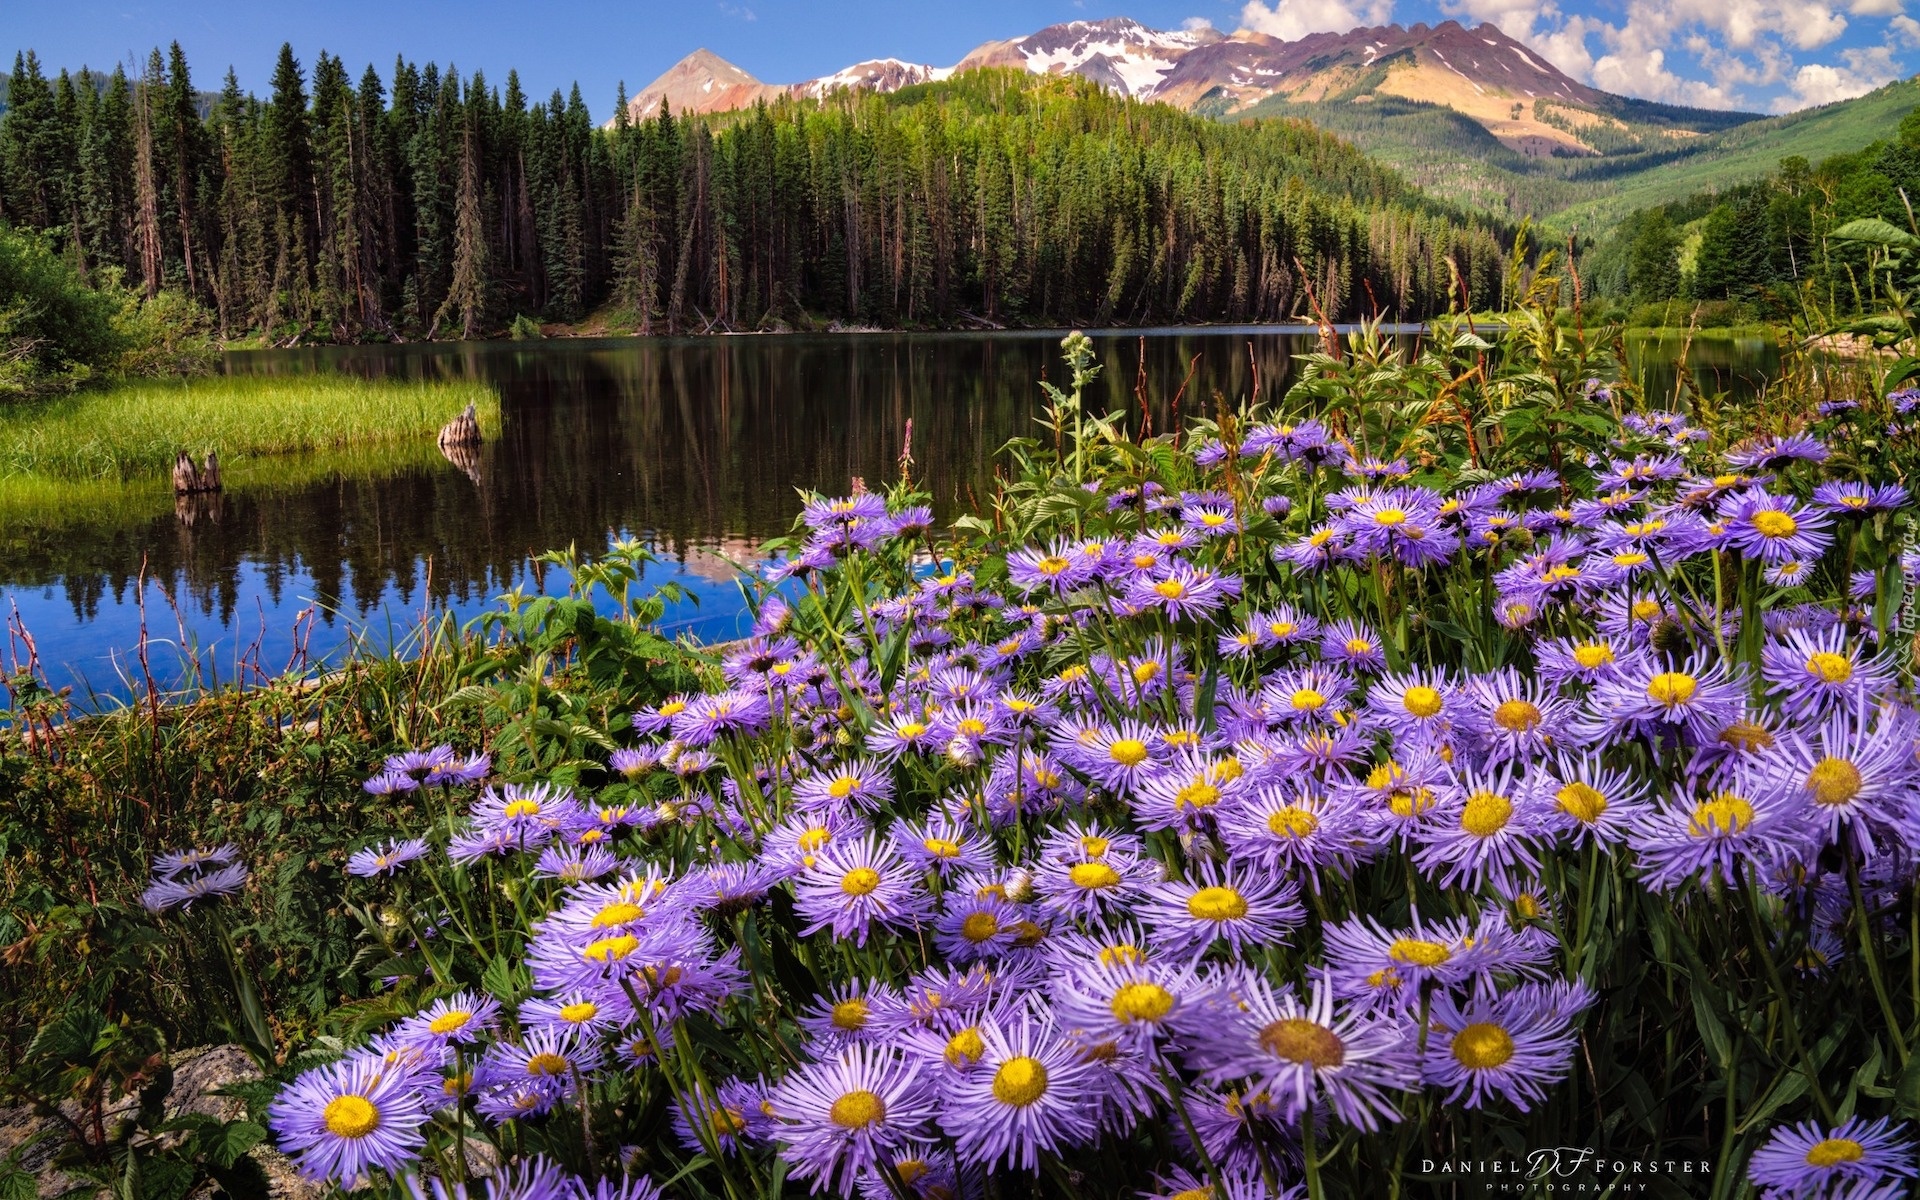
[[225, 1145], [1906, 1093]]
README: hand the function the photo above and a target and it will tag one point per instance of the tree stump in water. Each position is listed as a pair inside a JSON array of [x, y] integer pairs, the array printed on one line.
[[463, 430], [189, 479]]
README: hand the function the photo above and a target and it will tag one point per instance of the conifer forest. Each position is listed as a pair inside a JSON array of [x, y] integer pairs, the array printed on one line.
[[426, 204]]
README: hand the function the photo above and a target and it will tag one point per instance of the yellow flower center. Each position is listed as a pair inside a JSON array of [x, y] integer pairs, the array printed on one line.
[[1418, 953], [673, 708], [1093, 847], [813, 838], [1306, 699], [1486, 813], [1302, 1041], [1213, 519], [1052, 564], [1198, 794], [1359, 646], [1124, 952], [1390, 517], [350, 1116], [1746, 737], [1128, 752], [1724, 814], [842, 787], [1020, 1081], [547, 1063], [1172, 589], [618, 913], [611, 949], [1672, 688], [857, 1110], [448, 1022], [1217, 904], [1093, 877], [1771, 523], [980, 926], [1829, 667], [1833, 782], [1645, 610], [850, 1014], [522, 808], [1481, 1046], [1142, 1002], [586, 1010], [965, 1048], [1517, 716], [860, 881], [1292, 822], [1146, 672], [1406, 804], [1831, 1152], [1421, 700], [1592, 655], [941, 847], [1630, 558], [1581, 801], [1281, 629]]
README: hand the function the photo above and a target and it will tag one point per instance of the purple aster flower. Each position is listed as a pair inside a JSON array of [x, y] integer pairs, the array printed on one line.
[[1181, 590], [1698, 698], [465, 1017], [1245, 907], [385, 860], [1028, 1096], [1517, 718], [1057, 569], [1288, 829], [707, 718], [915, 521], [575, 864], [389, 783], [343, 1120], [455, 771], [1813, 674], [660, 717], [1319, 548], [1774, 528], [164, 894], [1770, 452], [976, 927], [1486, 824], [1852, 775], [1513, 1045], [1588, 800], [1352, 645], [1860, 499], [1391, 968], [548, 1059], [1809, 1160], [1187, 792], [837, 1117], [1114, 756], [860, 785], [1705, 836], [1344, 1060], [857, 888], [172, 863]]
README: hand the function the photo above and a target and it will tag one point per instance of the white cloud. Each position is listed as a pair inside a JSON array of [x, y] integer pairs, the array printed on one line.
[[1196, 24], [1876, 8], [1861, 71], [1291, 20], [1907, 28]]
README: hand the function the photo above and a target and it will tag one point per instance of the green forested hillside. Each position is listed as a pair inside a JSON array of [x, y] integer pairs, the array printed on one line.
[[427, 203], [1651, 161], [1774, 246]]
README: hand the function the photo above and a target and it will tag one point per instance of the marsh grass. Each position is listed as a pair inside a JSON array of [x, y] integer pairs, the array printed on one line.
[[135, 430], [36, 505]]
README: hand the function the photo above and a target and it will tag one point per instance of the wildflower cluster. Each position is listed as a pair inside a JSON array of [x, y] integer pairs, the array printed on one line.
[[1214, 807]]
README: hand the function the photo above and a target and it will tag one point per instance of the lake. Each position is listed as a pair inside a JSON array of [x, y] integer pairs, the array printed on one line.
[[694, 445]]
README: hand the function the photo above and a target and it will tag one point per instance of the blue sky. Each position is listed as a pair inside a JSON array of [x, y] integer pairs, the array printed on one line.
[[1754, 54]]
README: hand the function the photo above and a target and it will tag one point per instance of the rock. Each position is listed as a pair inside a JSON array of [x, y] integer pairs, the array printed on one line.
[[198, 1074]]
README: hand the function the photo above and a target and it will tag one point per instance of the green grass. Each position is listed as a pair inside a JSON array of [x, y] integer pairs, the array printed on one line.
[[134, 431], [34, 507], [1747, 152]]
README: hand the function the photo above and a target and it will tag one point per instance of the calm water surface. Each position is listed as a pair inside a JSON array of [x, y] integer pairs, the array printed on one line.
[[694, 445]]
